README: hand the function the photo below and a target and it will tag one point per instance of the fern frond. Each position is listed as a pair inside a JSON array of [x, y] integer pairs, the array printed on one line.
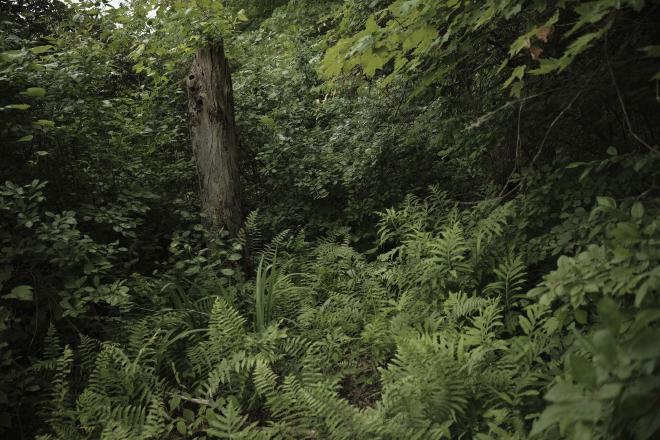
[[510, 280], [226, 328], [60, 404], [52, 344], [423, 385], [250, 235], [460, 304], [277, 243], [229, 423], [484, 326], [155, 421], [86, 352]]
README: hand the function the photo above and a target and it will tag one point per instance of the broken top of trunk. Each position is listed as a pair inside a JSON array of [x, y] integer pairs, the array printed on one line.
[[213, 136]]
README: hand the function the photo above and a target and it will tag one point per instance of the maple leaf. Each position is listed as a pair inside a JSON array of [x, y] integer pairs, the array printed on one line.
[[544, 33], [535, 52]]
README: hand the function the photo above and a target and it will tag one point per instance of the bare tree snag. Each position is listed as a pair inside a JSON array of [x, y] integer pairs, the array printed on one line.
[[213, 135]]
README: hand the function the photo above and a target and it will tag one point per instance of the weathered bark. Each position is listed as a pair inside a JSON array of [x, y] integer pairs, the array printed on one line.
[[213, 135]]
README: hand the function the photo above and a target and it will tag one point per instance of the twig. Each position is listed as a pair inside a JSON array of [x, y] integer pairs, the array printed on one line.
[[518, 143], [481, 119], [542, 144], [552, 124], [193, 400], [622, 103]]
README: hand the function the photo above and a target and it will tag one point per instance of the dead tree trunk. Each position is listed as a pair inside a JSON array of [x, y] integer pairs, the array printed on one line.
[[213, 135]]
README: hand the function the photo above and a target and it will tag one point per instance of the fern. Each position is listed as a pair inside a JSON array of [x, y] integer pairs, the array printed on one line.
[[422, 385], [484, 326], [226, 329], [277, 243], [511, 278], [229, 423], [60, 412], [86, 352], [52, 344], [460, 305], [250, 235]]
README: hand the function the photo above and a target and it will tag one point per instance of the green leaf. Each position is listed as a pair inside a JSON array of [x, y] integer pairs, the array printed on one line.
[[37, 50], [26, 138], [645, 344], [137, 52], [516, 88], [517, 73], [34, 92], [241, 15], [609, 314], [267, 121], [421, 37], [637, 210], [581, 44], [227, 271], [562, 412], [585, 174], [606, 202], [181, 427], [234, 257], [18, 106], [189, 415], [174, 403], [22, 293], [11, 55], [546, 65], [44, 123], [583, 371], [626, 231], [373, 60], [609, 391], [588, 13], [604, 341], [581, 316], [564, 392]]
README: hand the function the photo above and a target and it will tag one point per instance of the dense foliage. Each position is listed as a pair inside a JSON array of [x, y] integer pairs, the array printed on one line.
[[453, 226]]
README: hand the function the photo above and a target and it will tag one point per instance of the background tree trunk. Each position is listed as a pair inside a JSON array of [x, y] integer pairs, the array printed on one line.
[[213, 135]]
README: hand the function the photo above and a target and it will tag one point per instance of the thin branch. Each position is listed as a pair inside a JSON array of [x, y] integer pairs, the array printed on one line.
[[484, 118], [193, 400], [552, 124], [518, 144], [622, 103], [542, 144]]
